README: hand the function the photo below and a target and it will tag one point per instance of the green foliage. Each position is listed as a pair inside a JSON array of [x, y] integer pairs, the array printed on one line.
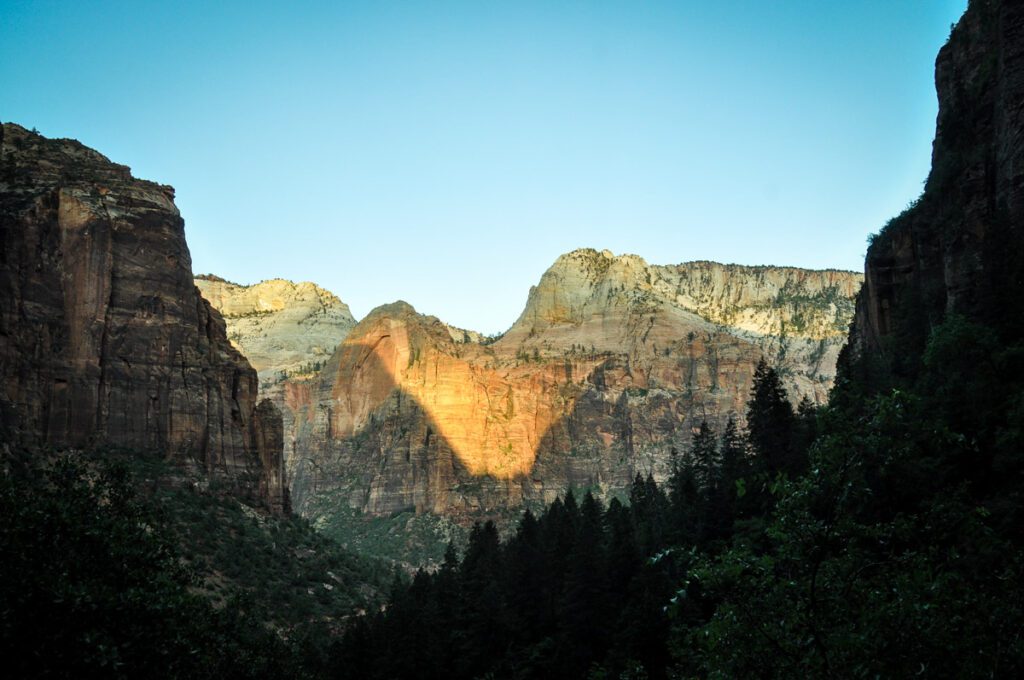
[[404, 539], [306, 368], [490, 339], [772, 423], [880, 536], [868, 571], [251, 314], [704, 456], [115, 567], [899, 552], [94, 586], [570, 592], [299, 577]]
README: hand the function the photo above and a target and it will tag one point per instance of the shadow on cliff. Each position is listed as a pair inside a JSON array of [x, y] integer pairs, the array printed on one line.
[[388, 449]]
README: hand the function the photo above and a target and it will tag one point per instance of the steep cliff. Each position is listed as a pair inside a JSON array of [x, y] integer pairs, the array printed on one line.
[[605, 373], [958, 248], [104, 338]]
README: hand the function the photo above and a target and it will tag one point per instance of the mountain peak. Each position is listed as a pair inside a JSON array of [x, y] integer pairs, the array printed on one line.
[[586, 284], [282, 327]]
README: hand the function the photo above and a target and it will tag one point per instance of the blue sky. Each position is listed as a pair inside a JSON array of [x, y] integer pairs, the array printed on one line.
[[447, 153]]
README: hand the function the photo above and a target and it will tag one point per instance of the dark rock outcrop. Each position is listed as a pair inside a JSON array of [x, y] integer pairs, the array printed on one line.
[[958, 248], [268, 430], [104, 338]]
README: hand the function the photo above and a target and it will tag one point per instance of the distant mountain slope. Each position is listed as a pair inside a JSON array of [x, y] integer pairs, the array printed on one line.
[[283, 328], [605, 373], [798, 317]]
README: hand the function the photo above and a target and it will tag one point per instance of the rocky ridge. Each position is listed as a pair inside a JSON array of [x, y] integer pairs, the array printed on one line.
[[605, 373], [104, 338], [284, 329], [798, 317]]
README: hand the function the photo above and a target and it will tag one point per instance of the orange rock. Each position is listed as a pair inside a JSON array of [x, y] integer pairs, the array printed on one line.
[[609, 368]]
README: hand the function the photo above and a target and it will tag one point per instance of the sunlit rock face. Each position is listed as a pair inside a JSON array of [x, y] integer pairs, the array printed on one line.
[[104, 339], [621, 304], [283, 328], [606, 372], [492, 414]]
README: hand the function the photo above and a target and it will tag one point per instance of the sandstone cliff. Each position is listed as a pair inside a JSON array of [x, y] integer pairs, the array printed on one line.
[[958, 248], [104, 338], [284, 329], [607, 370]]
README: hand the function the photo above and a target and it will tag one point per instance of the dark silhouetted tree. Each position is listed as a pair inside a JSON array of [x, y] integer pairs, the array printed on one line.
[[771, 422]]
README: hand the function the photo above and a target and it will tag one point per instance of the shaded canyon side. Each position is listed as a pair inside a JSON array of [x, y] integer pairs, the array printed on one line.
[[958, 249], [104, 338]]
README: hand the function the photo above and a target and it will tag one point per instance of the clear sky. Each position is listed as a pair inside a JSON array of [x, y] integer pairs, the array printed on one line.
[[447, 153]]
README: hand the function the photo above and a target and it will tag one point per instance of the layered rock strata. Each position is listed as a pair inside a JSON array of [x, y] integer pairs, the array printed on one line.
[[284, 329], [606, 372], [104, 339]]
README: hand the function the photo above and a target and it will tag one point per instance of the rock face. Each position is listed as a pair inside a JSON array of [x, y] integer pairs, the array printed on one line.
[[284, 329], [958, 249], [104, 338], [607, 370]]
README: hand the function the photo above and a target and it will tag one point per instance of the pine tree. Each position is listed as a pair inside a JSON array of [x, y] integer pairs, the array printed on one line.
[[806, 430], [684, 501], [483, 620], [713, 515], [650, 509], [733, 454], [704, 454], [556, 534], [623, 553], [525, 570], [771, 422], [735, 467], [583, 609]]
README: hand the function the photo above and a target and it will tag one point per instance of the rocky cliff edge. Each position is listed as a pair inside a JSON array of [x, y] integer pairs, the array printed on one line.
[[104, 338]]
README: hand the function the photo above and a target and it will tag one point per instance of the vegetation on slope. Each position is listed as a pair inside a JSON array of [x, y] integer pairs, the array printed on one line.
[[877, 537], [406, 539], [111, 571]]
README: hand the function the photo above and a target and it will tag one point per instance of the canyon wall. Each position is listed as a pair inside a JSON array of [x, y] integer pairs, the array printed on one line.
[[958, 248], [604, 375], [104, 338]]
